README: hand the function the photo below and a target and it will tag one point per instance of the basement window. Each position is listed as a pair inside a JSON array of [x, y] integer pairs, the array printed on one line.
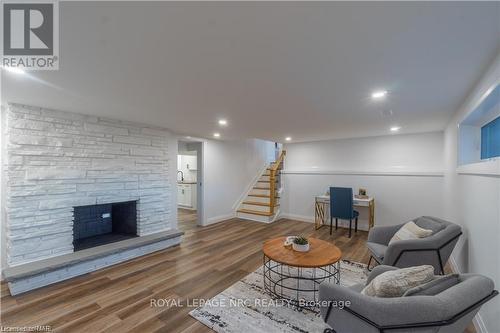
[[479, 137], [490, 139]]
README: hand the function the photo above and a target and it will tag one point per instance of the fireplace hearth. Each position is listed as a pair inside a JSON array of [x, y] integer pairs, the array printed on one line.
[[95, 225]]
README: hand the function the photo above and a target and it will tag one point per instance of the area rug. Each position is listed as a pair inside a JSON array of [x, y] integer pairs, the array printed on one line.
[[246, 307]]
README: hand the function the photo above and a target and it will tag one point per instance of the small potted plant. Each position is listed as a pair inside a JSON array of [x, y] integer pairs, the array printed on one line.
[[300, 244]]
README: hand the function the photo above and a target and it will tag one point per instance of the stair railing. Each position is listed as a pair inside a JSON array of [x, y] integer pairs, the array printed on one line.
[[275, 173]]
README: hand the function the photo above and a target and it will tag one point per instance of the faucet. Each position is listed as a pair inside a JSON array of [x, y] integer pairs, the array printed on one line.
[[182, 175]]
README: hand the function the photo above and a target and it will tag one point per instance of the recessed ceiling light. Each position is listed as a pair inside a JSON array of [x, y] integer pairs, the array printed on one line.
[[222, 122], [14, 70], [288, 138], [216, 135], [379, 94], [395, 128]]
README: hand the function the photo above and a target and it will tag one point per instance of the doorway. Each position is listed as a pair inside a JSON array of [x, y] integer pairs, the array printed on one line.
[[189, 165]]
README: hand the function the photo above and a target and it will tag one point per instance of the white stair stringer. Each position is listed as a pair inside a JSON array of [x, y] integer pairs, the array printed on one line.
[[249, 188], [255, 206]]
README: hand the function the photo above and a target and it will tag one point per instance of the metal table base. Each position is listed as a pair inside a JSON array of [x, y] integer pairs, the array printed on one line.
[[298, 286]]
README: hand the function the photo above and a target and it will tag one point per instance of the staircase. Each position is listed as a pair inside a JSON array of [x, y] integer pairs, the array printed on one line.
[[262, 201]]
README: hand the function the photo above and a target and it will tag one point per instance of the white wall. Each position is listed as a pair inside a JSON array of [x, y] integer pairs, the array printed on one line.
[[470, 144], [402, 172], [473, 201], [390, 153], [230, 168]]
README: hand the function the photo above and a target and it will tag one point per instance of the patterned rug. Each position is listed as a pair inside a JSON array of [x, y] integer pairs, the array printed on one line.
[[246, 307]]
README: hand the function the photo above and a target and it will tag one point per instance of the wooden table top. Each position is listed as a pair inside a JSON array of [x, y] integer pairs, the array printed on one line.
[[321, 253]]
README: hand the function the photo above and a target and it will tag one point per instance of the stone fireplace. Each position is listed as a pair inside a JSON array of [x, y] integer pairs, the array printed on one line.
[[82, 193], [60, 160], [95, 225]]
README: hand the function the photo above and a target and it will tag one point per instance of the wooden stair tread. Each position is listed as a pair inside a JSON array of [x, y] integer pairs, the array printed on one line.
[[256, 203], [261, 188], [262, 196], [254, 212]]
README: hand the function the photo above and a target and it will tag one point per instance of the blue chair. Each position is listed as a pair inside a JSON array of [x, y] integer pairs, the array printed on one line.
[[342, 207]]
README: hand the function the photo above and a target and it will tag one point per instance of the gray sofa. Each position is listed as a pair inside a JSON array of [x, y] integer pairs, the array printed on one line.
[[433, 250], [450, 311]]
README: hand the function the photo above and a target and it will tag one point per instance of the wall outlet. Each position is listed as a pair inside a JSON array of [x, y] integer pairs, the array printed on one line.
[[106, 215]]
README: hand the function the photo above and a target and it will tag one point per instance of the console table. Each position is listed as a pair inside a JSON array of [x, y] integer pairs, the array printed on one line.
[[322, 204]]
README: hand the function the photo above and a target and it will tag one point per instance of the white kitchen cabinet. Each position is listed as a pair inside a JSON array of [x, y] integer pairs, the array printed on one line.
[[180, 195], [186, 195], [188, 162], [193, 195]]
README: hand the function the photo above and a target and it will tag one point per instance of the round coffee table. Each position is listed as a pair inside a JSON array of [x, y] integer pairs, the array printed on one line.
[[295, 276]]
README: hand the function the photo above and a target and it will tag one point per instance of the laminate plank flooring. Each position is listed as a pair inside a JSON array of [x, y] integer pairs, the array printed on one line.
[[118, 298]]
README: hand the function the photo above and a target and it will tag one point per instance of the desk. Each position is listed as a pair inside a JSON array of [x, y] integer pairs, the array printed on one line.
[[322, 203]]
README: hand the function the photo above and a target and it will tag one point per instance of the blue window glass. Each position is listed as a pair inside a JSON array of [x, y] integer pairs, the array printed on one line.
[[490, 139]]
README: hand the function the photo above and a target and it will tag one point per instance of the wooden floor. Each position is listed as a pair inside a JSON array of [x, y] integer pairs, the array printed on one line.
[[186, 220], [118, 298]]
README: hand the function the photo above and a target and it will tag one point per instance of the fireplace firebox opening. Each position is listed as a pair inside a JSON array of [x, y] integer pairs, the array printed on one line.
[[101, 224]]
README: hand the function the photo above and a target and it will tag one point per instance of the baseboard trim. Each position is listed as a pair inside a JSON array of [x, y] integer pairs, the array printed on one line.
[[308, 219], [301, 218], [477, 321], [220, 218], [453, 265]]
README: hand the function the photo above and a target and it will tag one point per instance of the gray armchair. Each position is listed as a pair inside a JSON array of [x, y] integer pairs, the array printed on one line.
[[433, 250], [450, 311]]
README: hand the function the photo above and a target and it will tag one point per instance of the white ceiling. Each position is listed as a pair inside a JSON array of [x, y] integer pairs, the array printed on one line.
[[304, 70]]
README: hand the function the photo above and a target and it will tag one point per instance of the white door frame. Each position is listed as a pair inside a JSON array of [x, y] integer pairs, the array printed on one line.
[[200, 174], [200, 186]]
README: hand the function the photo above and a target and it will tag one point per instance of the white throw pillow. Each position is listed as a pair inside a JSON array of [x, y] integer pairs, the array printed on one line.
[[395, 283], [410, 231]]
